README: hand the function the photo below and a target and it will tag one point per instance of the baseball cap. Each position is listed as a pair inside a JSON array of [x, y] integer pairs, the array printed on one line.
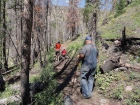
[[88, 38]]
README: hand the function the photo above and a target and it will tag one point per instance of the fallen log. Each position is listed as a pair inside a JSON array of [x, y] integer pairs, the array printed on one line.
[[109, 65], [127, 39], [13, 79]]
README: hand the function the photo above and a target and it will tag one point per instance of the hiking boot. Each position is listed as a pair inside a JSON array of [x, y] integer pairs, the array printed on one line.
[[83, 96]]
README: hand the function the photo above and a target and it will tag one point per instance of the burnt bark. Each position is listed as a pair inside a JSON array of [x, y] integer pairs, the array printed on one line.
[[26, 44], [94, 27], [129, 2], [123, 39], [109, 65], [4, 37], [2, 83]]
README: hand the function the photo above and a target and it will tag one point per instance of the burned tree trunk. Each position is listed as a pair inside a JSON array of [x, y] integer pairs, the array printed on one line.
[[123, 39], [94, 26], [4, 37], [129, 2], [2, 83], [26, 46], [109, 65]]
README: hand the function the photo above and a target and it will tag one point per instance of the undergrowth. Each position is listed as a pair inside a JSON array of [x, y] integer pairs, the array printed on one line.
[[48, 97], [113, 84]]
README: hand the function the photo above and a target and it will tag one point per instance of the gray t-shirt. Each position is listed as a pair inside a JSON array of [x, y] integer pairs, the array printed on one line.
[[90, 53]]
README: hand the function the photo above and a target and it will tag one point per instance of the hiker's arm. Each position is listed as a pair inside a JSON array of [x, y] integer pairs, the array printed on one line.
[[80, 56]]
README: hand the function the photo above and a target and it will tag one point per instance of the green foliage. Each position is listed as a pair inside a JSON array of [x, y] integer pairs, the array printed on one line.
[[134, 75], [87, 10], [47, 97], [135, 3], [7, 93], [118, 92], [120, 8], [132, 98], [75, 45]]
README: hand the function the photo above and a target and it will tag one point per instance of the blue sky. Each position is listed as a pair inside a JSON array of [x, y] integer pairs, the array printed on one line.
[[81, 3], [65, 3]]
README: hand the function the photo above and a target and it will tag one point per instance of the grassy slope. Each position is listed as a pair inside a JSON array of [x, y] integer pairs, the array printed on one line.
[[113, 84], [130, 19]]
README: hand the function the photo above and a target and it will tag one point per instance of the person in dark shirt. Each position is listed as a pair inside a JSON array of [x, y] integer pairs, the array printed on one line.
[[88, 56]]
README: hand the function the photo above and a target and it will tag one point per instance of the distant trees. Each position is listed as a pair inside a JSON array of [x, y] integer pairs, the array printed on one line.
[[73, 18], [29, 31], [120, 7]]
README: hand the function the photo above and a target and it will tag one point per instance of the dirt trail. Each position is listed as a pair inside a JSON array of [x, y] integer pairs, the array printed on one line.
[[69, 85]]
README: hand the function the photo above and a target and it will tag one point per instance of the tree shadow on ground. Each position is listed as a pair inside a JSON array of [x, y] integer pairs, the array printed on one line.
[[66, 81], [63, 69], [69, 75]]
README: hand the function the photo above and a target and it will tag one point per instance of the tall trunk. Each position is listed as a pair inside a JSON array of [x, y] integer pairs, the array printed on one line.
[[94, 26], [4, 36], [0, 32], [17, 39], [26, 44], [39, 51], [0, 11], [21, 28], [92, 23], [46, 33]]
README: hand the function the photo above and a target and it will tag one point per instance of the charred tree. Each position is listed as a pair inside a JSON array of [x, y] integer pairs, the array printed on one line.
[[123, 39], [5, 63], [129, 2], [26, 44], [92, 16]]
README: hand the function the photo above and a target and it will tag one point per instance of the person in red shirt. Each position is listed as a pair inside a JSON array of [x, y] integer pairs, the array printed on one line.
[[57, 50], [63, 53]]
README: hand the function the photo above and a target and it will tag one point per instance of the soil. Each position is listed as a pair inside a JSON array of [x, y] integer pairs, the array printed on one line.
[[69, 84], [67, 76]]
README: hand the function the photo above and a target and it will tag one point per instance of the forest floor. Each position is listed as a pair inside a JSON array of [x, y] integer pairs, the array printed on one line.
[[69, 84], [68, 79]]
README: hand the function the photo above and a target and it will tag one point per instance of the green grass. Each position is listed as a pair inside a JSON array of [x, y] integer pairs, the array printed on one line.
[[48, 97], [130, 19], [7, 93]]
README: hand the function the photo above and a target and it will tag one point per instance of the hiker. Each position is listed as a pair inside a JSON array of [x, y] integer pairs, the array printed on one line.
[[57, 50], [88, 56], [63, 53]]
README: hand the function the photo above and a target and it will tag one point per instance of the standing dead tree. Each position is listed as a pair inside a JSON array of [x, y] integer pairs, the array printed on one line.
[[5, 63], [26, 44], [90, 17], [73, 18], [129, 2]]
